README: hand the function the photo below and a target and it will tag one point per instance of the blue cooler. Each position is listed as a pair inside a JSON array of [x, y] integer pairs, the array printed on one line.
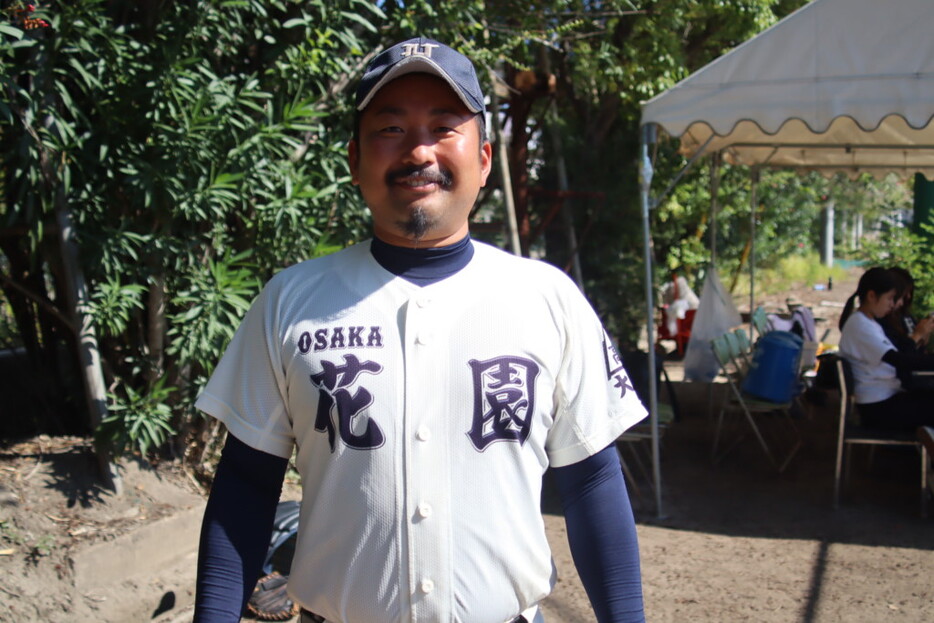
[[773, 374]]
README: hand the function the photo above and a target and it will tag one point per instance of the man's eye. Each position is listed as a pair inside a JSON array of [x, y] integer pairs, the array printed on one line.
[[443, 129], [392, 129]]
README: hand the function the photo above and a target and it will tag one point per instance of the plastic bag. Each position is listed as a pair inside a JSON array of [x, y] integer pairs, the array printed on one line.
[[716, 315]]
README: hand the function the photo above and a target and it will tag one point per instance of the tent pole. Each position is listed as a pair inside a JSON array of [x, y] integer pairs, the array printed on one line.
[[754, 200], [714, 189], [645, 183]]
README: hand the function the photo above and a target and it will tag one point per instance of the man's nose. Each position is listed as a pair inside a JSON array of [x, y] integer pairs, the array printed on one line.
[[419, 147]]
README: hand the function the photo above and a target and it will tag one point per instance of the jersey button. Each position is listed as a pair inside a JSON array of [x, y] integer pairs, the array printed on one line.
[[423, 301], [425, 510], [427, 586], [423, 434], [423, 338]]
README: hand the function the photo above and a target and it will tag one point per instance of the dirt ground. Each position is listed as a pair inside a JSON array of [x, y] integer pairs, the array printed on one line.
[[739, 542], [735, 541], [53, 506]]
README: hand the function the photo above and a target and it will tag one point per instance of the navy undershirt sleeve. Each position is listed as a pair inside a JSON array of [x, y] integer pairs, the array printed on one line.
[[602, 535], [236, 530]]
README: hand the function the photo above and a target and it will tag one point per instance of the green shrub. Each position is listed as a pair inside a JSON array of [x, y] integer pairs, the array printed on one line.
[[137, 421], [901, 247], [794, 271]]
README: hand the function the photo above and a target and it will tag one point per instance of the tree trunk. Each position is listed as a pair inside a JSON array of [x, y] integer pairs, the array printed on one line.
[[156, 327], [519, 108], [93, 377]]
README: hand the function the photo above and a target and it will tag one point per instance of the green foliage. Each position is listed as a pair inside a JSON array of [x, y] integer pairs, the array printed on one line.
[[788, 224], [202, 147], [606, 58], [182, 139], [137, 420], [792, 272], [113, 303], [8, 333], [899, 246], [210, 306], [807, 269]]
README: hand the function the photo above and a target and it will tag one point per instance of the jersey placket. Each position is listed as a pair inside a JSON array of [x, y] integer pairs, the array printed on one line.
[[426, 464]]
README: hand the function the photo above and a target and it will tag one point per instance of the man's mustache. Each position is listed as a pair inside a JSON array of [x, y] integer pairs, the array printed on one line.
[[414, 173]]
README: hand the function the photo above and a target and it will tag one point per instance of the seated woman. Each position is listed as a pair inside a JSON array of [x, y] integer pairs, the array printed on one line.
[[900, 326], [882, 372]]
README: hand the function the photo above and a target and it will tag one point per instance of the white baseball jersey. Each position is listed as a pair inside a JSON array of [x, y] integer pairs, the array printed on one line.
[[424, 418], [863, 343]]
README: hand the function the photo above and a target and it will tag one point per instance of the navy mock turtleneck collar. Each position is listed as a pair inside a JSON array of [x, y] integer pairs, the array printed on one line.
[[423, 266]]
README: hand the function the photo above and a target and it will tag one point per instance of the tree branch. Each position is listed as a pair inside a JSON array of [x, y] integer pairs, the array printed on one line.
[[41, 301]]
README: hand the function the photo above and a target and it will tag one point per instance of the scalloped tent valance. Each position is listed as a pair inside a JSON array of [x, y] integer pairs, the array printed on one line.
[[839, 86]]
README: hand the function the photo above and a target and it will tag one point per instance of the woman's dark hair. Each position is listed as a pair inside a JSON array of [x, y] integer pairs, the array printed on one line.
[[904, 290], [876, 279], [906, 287]]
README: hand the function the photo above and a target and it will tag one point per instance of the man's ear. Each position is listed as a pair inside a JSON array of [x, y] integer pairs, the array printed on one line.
[[353, 159], [486, 162]]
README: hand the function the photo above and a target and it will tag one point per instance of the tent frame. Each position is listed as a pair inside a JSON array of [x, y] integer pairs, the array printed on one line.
[[648, 137], [816, 91]]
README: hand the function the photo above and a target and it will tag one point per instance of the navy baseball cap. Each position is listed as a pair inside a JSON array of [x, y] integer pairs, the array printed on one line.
[[421, 55]]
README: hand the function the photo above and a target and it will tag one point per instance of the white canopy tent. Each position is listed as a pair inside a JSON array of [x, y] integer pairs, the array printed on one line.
[[839, 86]]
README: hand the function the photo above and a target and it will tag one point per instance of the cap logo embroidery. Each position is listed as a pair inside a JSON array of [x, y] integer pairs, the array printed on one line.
[[415, 49]]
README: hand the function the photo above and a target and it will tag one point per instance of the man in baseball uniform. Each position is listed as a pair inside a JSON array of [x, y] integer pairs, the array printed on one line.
[[426, 382]]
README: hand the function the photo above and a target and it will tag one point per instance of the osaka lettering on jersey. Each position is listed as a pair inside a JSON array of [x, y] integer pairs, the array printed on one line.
[[433, 408]]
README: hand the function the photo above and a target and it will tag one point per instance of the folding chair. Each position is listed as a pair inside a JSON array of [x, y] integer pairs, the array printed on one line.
[[740, 352], [742, 338], [752, 409], [926, 437], [636, 442], [760, 321], [850, 433], [740, 349], [637, 458]]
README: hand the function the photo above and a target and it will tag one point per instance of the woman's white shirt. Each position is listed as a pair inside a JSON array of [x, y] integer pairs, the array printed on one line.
[[863, 343]]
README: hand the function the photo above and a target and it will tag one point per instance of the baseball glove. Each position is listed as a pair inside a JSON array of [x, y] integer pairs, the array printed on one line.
[[269, 601]]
